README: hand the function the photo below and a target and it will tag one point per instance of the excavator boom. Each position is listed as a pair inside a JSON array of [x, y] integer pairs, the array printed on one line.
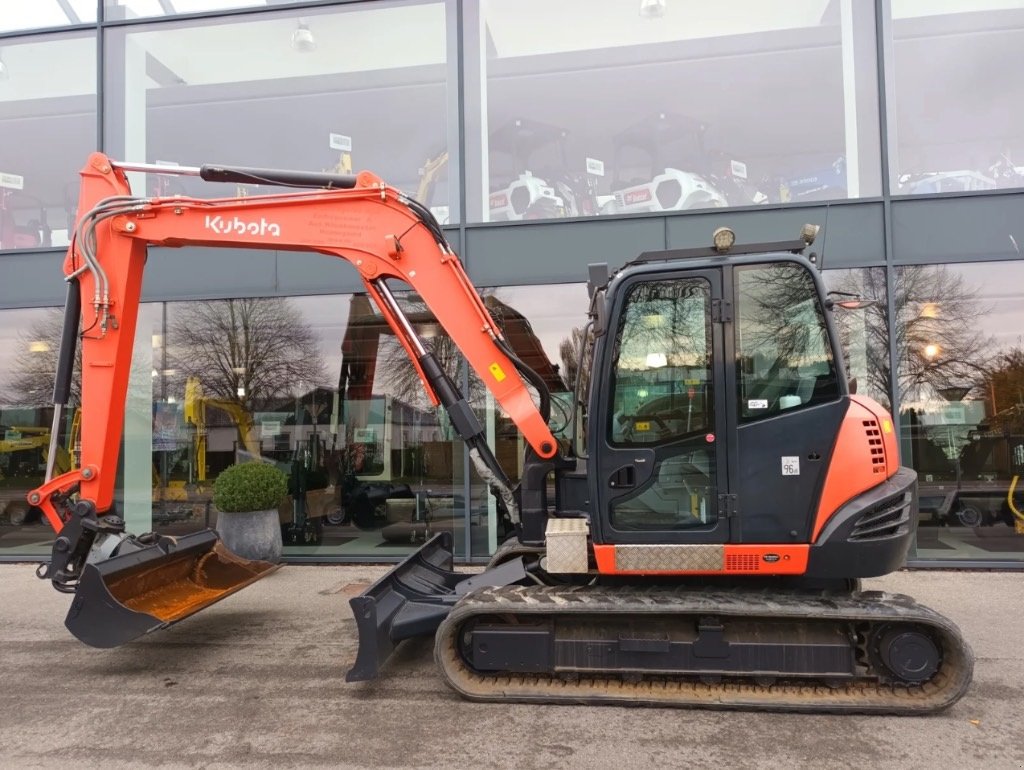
[[359, 219]]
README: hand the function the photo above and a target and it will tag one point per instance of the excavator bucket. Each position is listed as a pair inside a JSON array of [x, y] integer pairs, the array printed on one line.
[[129, 595], [412, 600]]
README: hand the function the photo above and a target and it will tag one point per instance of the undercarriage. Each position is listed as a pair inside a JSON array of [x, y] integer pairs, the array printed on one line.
[[517, 633], [867, 652]]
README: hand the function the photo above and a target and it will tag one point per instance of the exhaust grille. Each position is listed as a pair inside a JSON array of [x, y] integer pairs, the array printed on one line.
[[888, 518], [875, 446], [745, 562]]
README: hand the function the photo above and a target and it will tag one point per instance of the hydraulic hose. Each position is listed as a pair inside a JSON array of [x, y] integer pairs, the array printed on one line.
[[532, 377]]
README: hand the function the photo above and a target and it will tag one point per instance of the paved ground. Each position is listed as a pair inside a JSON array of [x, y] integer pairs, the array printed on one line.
[[258, 681]]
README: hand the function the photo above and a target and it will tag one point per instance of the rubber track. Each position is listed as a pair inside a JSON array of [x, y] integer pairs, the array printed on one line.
[[862, 695]]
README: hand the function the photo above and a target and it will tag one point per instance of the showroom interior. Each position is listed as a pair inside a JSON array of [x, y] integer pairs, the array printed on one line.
[[544, 137]]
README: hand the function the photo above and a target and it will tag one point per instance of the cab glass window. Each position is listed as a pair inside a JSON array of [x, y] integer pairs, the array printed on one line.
[[662, 370], [784, 359]]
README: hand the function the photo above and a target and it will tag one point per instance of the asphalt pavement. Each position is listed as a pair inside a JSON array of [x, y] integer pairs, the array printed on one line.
[[258, 680]]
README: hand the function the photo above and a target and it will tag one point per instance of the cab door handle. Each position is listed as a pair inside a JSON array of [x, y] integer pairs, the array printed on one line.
[[623, 478]]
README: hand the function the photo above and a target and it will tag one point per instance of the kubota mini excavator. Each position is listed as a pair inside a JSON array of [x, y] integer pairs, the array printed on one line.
[[702, 547]]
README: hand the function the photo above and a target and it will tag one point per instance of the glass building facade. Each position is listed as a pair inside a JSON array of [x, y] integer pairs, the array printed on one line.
[[545, 137]]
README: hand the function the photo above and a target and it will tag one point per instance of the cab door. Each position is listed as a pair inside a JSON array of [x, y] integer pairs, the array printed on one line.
[[660, 474], [790, 399]]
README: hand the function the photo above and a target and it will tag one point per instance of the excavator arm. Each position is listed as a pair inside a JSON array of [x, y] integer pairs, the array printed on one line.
[[359, 219], [374, 227]]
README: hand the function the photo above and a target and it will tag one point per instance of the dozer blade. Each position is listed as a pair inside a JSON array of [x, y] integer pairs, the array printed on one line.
[[413, 599], [132, 594]]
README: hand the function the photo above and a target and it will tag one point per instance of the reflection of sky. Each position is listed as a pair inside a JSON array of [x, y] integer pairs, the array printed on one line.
[[327, 318], [902, 9], [18, 14], [1000, 290], [552, 310]]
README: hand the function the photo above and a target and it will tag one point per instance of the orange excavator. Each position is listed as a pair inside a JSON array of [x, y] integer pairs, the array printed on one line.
[[700, 543]]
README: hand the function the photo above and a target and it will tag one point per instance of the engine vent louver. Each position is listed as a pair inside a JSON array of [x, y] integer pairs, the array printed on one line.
[[888, 518], [875, 445]]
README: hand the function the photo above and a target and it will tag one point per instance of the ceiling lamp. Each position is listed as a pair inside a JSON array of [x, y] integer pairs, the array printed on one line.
[[302, 38], [652, 9]]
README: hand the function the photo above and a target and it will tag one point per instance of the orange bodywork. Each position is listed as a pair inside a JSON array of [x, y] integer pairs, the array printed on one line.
[[369, 226], [736, 560], [865, 455]]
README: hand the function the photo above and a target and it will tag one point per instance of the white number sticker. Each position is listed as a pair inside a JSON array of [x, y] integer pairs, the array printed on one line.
[[757, 403], [790, 466]]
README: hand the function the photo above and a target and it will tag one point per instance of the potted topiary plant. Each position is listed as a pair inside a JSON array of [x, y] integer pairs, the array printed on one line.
[[247, 496]]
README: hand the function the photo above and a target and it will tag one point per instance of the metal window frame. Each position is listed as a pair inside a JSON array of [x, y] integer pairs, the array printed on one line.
[[456, 11]]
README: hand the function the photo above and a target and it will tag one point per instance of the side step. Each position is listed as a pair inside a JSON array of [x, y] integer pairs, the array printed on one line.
[[136, 593], [413, 599]]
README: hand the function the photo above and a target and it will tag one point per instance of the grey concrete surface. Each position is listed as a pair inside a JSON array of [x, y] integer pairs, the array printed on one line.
[[258, 681]]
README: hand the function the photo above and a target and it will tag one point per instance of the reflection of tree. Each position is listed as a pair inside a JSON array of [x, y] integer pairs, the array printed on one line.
[[770, 306], [577, 365], [665, 324], [569, 351], [401, 379], [398, 376], [937, 329], [260, 345], [865, 330], [34, 368], [1002, 389], [249, 351]]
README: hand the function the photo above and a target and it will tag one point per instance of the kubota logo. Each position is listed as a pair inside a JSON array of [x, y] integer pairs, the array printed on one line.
[[236, 226]]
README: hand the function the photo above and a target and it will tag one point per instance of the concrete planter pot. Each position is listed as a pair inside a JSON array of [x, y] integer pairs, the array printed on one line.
[[251, 534]]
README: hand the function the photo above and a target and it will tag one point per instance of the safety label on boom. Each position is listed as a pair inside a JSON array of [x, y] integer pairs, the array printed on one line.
[[790, 466]]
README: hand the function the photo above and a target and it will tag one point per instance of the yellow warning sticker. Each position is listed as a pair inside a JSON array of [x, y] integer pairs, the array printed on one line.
[[886, 426], [497, 371], [642, 426]]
